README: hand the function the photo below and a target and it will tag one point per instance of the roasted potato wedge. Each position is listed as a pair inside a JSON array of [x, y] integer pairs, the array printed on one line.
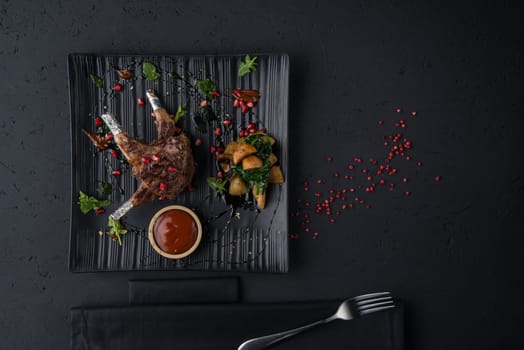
[[267, 138], [231, 147], [237, 186], [275, 175], [271, 139], [243, 150], [260, 198], [251, 162], [272, 159]]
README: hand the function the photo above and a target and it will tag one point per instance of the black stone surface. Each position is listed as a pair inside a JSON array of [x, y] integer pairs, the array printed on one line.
[[451, 251]]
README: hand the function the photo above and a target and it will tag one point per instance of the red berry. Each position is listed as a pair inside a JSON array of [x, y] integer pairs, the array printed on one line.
[[236, 103], [419, 164], [114, 154], [218, 132], [140, 101], [203, 103], [109, 137], [407, 193], [252, 125], [398, 110], [220, 175], [413, 113], [98, 121], [351, 167], [145, 160], [329, 158], [227, 122], [437, 178], [172, 169], [155, 157], [243, 109], [221, 149], [162, 186], [116, 172], [215, 93], [380, 122], [117, 87], [405, 179], [212, 149], [198, 141], [100, 211], [250, 104]]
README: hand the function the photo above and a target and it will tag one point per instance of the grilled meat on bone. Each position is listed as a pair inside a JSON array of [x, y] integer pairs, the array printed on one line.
[[165, 166]]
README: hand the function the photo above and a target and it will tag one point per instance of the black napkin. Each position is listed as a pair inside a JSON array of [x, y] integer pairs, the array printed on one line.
[[189, 291], [217, 327]]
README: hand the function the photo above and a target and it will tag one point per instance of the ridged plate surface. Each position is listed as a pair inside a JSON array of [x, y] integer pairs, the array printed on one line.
[[252, 241]]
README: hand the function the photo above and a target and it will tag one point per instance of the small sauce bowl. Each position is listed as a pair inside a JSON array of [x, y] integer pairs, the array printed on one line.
[[175, 231]]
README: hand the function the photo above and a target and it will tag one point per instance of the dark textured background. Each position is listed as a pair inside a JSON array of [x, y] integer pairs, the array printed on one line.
[[452, 251]]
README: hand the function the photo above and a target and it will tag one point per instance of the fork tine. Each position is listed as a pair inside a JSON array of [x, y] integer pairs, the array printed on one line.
[[370, 311], [371, 295], [369, 301], [374, 305]]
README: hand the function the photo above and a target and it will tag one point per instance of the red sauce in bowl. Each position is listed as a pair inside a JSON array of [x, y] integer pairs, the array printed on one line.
[[175, 231]]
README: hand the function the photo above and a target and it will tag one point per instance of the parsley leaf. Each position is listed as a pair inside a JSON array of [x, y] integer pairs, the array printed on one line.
[[206, 87], [97, 80], [217, 185], [150, 71], [88, 203], [116, 229], [261, 143], [105, 188], [247, 66], [179, 114], [254, 178]]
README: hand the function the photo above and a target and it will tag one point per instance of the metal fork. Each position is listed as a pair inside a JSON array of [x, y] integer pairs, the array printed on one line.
[[349, 309]]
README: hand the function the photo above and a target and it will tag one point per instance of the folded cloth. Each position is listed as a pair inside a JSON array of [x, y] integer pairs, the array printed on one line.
[[226, 326], [179, 291]]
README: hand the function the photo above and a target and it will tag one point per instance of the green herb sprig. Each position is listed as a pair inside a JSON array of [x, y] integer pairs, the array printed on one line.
[[217, 185], [105, 188], [150, 71], [180, 113], [88, 203], [116, 229], [206, 87], [247, 66], [99, 82], [261, 143], [254, 178]]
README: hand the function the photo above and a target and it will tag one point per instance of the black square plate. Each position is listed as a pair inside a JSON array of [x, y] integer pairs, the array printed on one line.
[[237, 240]]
